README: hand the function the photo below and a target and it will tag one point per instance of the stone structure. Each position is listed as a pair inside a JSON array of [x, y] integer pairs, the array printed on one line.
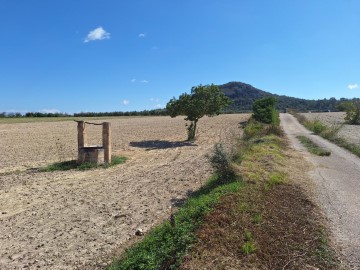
[[94, 154]]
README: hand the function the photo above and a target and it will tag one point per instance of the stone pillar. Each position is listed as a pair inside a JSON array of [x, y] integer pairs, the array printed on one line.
[[81, 140], [106, 135]]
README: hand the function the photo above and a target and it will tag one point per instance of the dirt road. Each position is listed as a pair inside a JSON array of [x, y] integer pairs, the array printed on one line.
[[337, 181]]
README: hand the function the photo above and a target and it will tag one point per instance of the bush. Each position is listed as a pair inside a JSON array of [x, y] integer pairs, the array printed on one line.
[[221, 162], [353, 112], [332, 131], [264, 110], [318, 127]]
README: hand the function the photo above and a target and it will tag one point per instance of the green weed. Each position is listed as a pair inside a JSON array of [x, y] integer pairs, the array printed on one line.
[[248, 248], [257, 219], [313, 147]]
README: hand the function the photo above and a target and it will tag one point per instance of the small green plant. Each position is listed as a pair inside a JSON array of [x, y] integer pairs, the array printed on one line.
[[317, 127], [257, 219], [248, 236], [248, 247], [221, 162], [313, 147]]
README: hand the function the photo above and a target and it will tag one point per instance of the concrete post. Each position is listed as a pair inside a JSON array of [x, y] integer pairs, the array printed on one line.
[[106, 135], [81, 139]]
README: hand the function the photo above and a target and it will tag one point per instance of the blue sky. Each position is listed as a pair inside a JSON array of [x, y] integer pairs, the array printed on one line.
[[112, 55]]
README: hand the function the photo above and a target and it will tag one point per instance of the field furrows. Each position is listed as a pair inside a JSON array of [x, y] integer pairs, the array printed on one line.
[[63, 220]]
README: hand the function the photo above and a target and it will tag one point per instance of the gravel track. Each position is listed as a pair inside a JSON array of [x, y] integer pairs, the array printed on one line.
[[337, 181]]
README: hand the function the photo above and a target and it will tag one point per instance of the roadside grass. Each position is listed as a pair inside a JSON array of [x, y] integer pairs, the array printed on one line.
[[313, 147], [269, 223], [259, 220], [327, 132], [73, 165], [164, 246]]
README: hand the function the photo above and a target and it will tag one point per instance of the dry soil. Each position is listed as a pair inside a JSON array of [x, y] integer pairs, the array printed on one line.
[[76, 219]]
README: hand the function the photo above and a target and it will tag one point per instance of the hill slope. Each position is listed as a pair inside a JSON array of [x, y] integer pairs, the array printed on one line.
[[243, 96]]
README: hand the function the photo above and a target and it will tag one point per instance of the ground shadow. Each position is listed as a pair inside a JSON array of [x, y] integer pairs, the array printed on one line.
[[158, 144], [178, 202]]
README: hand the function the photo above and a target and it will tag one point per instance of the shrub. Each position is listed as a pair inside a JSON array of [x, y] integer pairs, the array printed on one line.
[[332, 131], [221, 162], [353, 112], [317, 127], [264, 110]]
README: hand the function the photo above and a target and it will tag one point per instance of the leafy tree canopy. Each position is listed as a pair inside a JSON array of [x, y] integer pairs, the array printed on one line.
[[203, 100]]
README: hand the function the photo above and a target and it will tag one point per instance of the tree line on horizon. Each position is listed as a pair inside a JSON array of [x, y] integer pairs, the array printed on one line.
[[242, 95], [155, 112]]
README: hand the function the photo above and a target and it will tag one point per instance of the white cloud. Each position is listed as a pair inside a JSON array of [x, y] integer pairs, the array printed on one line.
[[144, 81], [133, 80], [50, 111], [154, 99], [159, 106], [97, 34], [125, 102], [141, 35], [353, 86]]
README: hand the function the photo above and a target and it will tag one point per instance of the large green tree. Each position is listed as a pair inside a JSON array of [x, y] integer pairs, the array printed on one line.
[[203, 100]]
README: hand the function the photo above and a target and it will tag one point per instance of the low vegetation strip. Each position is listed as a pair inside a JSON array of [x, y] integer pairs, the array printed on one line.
[[269, 223], [313, 147], [327, 132]]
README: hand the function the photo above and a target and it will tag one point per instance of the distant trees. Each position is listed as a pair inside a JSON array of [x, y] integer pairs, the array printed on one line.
[[10, 114], [40, 114], [156, 112], [203, 100]]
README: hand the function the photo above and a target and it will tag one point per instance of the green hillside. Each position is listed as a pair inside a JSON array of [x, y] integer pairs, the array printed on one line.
[[243, 96]]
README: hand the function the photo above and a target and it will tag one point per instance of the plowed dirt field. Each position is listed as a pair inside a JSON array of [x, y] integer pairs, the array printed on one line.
[[78, 219]]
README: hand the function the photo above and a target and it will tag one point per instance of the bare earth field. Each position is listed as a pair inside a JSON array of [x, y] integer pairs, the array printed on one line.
[[348, 132], [77, 219]]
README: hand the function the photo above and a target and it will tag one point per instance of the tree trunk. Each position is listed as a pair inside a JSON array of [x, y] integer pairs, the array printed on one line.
[[192, 131]]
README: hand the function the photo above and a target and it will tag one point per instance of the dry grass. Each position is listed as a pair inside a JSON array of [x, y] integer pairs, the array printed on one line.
[[273, 215]]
